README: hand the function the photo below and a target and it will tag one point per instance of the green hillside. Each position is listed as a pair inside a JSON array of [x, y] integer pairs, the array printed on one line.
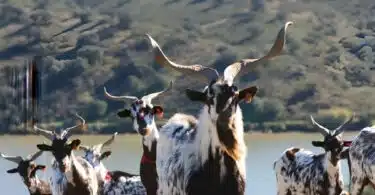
[[326, 69]]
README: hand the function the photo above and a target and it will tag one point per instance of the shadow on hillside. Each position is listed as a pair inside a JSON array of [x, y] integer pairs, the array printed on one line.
[[16, 50], [69, 29]]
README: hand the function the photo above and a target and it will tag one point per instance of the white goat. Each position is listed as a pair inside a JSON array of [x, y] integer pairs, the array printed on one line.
[[362, 161], [112, 182], [207, 156], [300, 171], [142, 113], [27, 170], [70, 174]]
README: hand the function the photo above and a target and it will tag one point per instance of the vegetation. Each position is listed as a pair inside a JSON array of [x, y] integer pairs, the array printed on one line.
[[327, 69]]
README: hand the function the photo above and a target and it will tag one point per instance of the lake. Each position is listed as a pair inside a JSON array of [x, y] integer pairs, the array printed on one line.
[[263, 149]]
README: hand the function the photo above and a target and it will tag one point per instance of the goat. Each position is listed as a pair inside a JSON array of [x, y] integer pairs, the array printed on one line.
[[362, 161], [71, 174], [207, 155], [27, 170], [299, 171], [112, 182], [142, 113]]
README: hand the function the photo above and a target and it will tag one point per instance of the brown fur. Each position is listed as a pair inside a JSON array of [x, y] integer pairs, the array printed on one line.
[[228, 137], [290, 154]]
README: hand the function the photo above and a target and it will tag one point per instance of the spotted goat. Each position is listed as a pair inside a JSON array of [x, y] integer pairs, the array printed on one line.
[[299, 171], [70, 174], [27, 170], [112, 182], [362, 161], [142, 113], [207, 155]]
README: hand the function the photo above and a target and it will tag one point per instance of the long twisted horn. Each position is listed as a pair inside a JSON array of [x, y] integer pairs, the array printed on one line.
[[35, 155], [246, 65], [47, 134], [321, 129], [148, 98], [66, 132], [125, 97], [202, 72], [340, 129], [15, 159]]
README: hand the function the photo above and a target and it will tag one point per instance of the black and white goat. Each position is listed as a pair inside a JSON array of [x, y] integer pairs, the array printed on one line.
[[300, 171], [142, 113], [27, 170], [70, 174], [362, 161], [207, 155], [112, 182]]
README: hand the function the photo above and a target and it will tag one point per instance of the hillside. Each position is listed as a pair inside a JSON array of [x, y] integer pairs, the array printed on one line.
[[326, 69]]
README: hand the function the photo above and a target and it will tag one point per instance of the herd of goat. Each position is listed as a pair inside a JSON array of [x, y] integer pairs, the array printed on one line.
[[202, 155]]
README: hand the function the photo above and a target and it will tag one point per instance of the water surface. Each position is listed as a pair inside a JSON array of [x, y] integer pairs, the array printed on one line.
[[263, 149]]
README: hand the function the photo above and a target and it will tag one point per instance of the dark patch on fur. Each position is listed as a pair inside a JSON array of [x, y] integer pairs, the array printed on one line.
[[149, 176], [206, 180], [290, 154]]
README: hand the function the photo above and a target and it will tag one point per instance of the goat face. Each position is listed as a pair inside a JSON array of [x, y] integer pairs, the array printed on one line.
[[94, 156], [61, 151], [27, 170], [333, 141], [221, 97], [142, 115]]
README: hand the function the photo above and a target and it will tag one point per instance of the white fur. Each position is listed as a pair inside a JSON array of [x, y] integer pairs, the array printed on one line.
[[306, 168], [192, 151], [59, 180], [362, 157]]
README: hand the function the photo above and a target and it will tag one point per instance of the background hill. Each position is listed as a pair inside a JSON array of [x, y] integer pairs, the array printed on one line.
[[326, 69]]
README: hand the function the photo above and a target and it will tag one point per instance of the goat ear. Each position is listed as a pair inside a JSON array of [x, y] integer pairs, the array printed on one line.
[[248, 94], [15, 170], [317, 143], [74, 144], [44, 147], [344, 154], [41, 167], [124, 113], [158, 111], [195, 95], [105, 154], [347, 143]]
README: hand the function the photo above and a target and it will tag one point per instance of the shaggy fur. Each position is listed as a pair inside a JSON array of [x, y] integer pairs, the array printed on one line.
[[112, 182], [299, 171], [205, 157], [362, 161]]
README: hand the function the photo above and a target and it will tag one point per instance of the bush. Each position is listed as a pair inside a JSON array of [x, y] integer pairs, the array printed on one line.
[[93, 54], [87, 39], [264, 109], [125, 21]]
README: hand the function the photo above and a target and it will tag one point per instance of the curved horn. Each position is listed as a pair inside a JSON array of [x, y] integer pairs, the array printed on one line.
[[99, 147], [148, 98], [66, 132], [47, 134], [245, 65], [322, 129], [15, 159], [110, 140], [202, 72], [35, 156], [125, 97], [340, 129]]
